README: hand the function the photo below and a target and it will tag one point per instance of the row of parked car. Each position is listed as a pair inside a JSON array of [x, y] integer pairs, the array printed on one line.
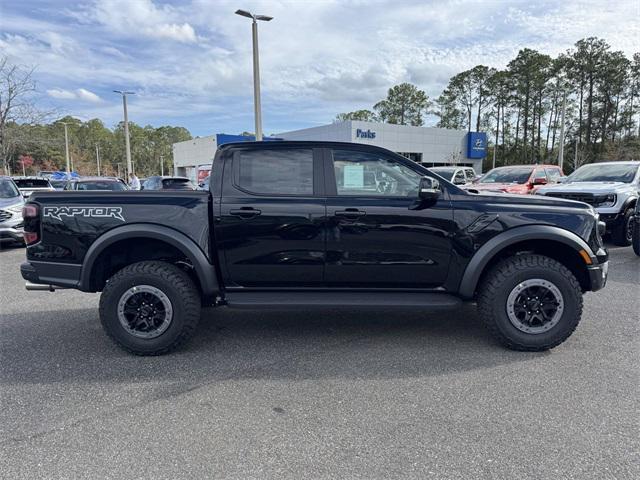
[[612, 188], [28, 185]]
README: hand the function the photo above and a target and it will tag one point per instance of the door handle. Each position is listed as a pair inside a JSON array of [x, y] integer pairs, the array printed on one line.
[[245, 212], [350, 213]]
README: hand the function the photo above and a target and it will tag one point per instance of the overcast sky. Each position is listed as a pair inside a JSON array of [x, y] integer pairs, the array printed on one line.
[[190, 62]]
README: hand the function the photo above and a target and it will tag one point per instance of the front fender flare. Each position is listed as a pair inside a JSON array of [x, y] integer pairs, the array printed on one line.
[[501, 241], [204, 269]]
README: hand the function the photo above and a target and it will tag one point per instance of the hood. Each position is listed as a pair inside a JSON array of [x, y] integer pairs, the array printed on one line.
[[531, 200], [586, 187], [9, 202], [496, 187]]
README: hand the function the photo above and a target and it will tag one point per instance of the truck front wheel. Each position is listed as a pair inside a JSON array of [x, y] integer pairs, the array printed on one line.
[[622, 234], [530, 302], [150, 308]]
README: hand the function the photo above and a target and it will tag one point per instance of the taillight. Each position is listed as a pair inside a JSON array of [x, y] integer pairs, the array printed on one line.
[[30, 211], [31, 223]]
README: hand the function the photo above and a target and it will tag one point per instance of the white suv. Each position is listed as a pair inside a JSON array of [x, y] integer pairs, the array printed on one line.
[[612, 188]]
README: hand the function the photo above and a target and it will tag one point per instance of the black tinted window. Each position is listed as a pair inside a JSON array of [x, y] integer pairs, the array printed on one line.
[[176, 184], [31, 183], [98, 185], [283, 172]]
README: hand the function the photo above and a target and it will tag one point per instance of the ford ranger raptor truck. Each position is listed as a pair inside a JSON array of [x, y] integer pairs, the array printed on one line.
[[317, 225]]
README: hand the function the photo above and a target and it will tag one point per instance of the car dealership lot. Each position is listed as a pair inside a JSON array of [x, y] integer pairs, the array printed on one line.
[[317, 395]]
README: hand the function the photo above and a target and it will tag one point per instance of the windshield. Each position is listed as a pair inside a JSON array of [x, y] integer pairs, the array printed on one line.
[[8, 189], [31, 182], [508, 175], [101, 185], [444, 172], [603, 172]]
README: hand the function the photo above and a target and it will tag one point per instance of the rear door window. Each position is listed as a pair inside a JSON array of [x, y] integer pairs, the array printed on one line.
[[275, 172]]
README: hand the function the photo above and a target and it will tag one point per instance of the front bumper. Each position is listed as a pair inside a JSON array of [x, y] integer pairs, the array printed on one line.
[[11, 233], [598, 275], [612, 220]]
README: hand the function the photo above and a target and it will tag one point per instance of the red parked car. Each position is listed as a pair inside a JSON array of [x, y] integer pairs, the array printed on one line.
[[520, 179]]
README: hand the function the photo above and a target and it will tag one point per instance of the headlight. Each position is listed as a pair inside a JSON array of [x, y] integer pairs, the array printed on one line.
[[15, 208], [607, 200]]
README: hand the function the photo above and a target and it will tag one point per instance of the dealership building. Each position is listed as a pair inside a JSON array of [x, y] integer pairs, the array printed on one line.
[[428, 146]]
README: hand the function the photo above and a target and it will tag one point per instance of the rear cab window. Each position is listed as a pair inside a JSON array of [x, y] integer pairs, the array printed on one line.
[[274, 171]]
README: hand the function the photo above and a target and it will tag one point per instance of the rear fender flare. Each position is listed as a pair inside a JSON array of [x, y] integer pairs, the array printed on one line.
[[203, 268]]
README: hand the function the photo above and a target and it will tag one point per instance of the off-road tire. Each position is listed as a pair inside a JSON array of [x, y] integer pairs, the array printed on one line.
[[619, 234], [504, 277], [636, 235], [175, 284]]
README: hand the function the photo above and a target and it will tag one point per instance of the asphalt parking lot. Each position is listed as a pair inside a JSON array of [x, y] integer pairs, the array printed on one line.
[[318, 395]]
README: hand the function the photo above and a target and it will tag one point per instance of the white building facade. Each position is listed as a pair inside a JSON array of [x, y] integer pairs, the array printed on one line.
[[428, 146]]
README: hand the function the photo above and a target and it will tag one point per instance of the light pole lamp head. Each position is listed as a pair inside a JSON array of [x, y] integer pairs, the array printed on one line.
[[253, 17]]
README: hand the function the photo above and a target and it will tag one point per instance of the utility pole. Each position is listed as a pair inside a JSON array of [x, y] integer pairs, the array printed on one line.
[[126, 128], [575, 156], [66, 149], [162, 165], [98, 158], [256, 68], [118, 165], [561, 148]]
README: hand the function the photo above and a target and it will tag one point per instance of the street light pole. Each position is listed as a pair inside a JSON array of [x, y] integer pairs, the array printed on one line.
[[66, 149], [126, 128], [162, 165], [561, 147], [98, 158], [256, 68]]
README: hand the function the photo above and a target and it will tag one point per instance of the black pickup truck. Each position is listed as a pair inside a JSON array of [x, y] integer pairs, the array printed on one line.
[[317, 225]]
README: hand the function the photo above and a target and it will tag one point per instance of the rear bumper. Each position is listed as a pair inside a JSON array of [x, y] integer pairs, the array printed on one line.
[[49, 273]]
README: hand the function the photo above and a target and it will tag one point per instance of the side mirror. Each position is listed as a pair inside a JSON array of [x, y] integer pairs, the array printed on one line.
[[539, 181], [429, 189]]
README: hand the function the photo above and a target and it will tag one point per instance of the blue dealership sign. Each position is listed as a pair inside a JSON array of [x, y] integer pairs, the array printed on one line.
[[222, 138], [476, 145]]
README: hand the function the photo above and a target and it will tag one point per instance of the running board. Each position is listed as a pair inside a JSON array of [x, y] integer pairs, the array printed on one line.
[[332, 299]]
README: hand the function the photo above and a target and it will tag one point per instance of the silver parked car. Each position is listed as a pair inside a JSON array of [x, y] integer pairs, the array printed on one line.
[[11, 203]]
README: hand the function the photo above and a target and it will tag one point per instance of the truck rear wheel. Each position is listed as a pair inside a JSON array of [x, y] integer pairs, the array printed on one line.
[[622, 234], [530, 302], [150, 308]]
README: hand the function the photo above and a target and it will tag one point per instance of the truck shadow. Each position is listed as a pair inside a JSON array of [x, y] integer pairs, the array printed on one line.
[[70, 347]]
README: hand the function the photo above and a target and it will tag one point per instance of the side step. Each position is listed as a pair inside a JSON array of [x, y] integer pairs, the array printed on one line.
[[331, 299]]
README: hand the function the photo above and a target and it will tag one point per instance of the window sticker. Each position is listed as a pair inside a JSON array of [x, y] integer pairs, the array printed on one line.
[[353, 176]]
